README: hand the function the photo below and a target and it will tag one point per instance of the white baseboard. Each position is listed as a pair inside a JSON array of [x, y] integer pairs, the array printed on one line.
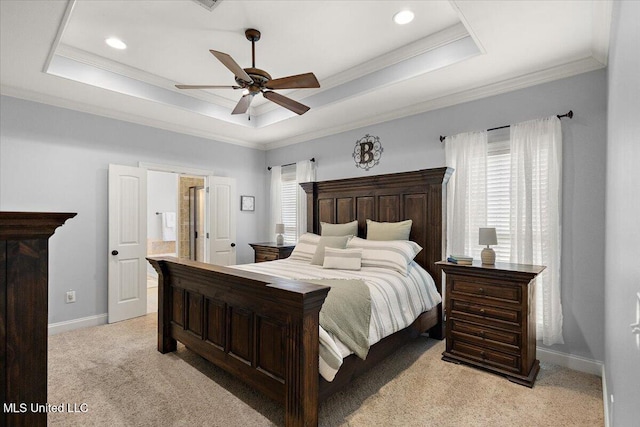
[[83, 322], [605, 398], [577, 363]]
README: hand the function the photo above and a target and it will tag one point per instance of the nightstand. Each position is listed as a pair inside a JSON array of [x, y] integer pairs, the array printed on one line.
[[490, 318], [271, 251]]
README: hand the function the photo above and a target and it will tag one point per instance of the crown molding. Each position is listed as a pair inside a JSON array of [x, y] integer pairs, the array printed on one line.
[[418, 47], [100, 62], [543, 76], [602, 15], [580, 66]]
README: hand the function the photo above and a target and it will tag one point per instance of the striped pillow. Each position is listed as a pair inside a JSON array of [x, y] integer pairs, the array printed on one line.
[[392, 254], [306, 247], [343, 259]]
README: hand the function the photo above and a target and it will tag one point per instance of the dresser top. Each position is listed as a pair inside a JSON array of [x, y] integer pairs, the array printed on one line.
[[499, 268], [30, 225]]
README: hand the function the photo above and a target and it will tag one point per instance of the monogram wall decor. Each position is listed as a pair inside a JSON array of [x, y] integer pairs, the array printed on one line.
[[367, 152]]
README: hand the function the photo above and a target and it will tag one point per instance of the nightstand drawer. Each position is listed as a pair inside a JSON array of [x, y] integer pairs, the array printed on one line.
[[485, 336], [270, 251], [462, 308], [483, 355], [266, 256], [475, 288]]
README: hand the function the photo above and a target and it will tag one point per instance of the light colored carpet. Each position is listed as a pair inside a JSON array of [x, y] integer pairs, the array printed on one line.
[[116, 370]]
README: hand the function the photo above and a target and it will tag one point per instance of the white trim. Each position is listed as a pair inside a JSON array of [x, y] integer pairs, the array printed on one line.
[[83, 322], [56, 41], [605, 398], [571, 361], [175, 169], [544, 76], [602, 15]]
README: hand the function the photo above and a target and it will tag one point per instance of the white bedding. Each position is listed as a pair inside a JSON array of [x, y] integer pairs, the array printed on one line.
[[396, 300]]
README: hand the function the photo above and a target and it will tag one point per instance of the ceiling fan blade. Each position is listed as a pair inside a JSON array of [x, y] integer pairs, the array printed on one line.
[[300, 81], [206, 87], [243, 104], [232, 65], [285, 102]]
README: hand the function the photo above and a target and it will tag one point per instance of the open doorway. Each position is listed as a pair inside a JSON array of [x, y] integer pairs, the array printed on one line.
[[176, 209]]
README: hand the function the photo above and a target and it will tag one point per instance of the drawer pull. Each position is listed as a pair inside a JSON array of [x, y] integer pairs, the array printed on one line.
[[481, 333], [482, 310], [481, 290], [483, 355]]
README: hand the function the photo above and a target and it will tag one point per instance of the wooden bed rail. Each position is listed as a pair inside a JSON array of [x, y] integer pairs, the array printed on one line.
[[262, 329]]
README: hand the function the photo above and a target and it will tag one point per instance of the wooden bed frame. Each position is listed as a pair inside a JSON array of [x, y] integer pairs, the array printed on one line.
[[264, 330]]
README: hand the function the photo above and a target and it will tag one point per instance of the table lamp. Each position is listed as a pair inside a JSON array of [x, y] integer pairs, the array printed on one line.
[[488, 237], [279, 234]]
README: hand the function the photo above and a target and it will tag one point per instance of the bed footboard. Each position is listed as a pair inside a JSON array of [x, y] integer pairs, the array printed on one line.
[[261, 329]]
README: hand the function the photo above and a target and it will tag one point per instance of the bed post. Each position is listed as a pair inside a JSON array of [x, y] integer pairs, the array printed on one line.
[[311, 189], [302, 376], [166, 344]]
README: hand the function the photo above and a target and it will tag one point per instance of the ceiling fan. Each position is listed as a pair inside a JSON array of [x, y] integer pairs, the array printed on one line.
[[254, 80]]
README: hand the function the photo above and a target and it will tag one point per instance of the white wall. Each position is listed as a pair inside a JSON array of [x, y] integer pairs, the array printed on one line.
[[53, 159], [413, 143], [162, 196], [623, 211]]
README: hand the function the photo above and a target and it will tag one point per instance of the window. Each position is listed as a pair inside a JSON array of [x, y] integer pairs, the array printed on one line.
[[289, 203], [498, 191]]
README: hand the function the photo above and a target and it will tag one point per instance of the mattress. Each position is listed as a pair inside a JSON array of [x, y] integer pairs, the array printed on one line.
[[396, 300]]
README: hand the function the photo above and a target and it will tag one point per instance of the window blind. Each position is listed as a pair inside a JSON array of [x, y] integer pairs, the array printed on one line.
[[289, 202], [498, 194]]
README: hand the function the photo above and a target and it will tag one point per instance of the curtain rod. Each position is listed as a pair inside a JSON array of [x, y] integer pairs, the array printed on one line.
[[313, 159], [569, 114]]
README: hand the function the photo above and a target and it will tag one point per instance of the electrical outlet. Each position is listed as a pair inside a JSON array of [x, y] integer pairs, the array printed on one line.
[[71, 297]]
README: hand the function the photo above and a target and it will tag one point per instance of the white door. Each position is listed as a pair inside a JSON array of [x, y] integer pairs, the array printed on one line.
[[127, 242], [222, 214]]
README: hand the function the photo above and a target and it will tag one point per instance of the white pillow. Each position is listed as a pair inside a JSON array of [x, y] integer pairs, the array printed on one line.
[[343, 259], [339, 242], [389, 230], [392, 254], [346, 229], [305, 248]]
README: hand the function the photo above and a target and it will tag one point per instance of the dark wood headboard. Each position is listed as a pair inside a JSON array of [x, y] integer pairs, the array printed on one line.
[[419, 196]]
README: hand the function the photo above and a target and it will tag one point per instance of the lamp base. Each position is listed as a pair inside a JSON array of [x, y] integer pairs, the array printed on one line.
[[279, 239], [488, 256]]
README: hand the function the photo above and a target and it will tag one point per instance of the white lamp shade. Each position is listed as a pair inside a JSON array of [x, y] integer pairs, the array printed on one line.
[[279, 228], [488, 236]]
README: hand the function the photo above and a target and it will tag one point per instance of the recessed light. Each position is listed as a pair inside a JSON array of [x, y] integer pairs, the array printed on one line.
[[116, 43], [403, 17]]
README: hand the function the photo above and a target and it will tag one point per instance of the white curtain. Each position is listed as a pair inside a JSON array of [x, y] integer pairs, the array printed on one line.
[[536, 196], [276, 196], [305, 172], [466, 153]]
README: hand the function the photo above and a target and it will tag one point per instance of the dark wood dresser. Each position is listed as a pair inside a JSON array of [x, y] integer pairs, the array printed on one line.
[[24, 258], [271, 251], [490, 318]]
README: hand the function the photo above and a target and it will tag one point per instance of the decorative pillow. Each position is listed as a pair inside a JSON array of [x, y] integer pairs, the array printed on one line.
[[392, 254], [346, 229], [305, 248], [343, 259], [339, 242], [388, 230]]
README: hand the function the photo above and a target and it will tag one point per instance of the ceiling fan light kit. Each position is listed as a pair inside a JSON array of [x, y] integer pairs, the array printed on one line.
[[254, 81]]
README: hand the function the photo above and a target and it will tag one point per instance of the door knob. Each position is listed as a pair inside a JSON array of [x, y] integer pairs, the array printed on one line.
[[114, 252], [233, 245]]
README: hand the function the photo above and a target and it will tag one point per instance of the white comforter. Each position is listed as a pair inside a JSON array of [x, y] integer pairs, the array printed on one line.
[[396, 300]]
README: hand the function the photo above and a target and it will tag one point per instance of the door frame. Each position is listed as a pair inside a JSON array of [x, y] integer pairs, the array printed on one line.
[[184, 170]]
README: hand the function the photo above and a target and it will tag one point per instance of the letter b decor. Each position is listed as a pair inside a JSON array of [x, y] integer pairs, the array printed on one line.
[[367, 152]]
